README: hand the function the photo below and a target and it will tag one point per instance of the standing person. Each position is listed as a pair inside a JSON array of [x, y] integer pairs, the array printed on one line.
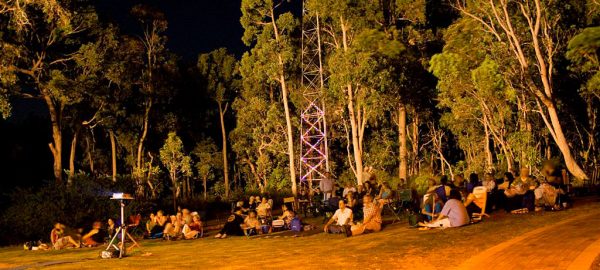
[[454, 214], [326, 186], [233, 225], [342, 219], [372, 217]]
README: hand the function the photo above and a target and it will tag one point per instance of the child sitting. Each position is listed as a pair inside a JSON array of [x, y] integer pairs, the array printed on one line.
[[251, 224]]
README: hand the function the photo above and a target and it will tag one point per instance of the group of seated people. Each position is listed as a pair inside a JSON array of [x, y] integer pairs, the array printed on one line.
[[451, 204], [342, 220], [255, 217], [183, 225]]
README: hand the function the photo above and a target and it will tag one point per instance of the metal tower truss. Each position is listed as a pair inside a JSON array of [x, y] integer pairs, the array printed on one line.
[[314, 161]]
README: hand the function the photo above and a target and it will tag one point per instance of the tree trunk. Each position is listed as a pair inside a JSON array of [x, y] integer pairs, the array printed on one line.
[[486, 147], [56, 144], [204, 183], [113, 151], [138, 173], [402, 170], [352, 117], [89, 154], [563, 145], [224, 152], [72, 158], [288, 120]]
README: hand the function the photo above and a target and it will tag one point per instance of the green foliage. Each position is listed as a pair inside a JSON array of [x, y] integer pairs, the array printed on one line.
[[174, 158]]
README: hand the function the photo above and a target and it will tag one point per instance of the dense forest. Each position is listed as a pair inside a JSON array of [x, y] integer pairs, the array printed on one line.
[[414, 88]]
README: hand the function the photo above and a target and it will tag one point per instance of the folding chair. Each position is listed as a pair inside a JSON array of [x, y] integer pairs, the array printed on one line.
[[292, 201], [480, 194], [392, 205]]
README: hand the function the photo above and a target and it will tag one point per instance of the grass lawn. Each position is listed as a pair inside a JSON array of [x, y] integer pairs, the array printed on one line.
[[395, 247]]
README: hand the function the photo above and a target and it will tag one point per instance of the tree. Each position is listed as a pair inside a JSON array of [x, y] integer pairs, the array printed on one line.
[[533, 33], [272, 55], [221, 74], [38, 44], [208, 162], [177, 163]]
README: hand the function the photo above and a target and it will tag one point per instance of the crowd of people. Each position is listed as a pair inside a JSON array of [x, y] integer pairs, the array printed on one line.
[[350, 210]]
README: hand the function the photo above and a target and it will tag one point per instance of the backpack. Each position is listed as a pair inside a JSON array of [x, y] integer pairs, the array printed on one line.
[[296, 225]]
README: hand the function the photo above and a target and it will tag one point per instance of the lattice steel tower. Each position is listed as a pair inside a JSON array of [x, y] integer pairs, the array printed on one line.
[[314, 161]]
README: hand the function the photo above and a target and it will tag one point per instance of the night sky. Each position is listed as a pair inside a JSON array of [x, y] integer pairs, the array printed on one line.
[[195, 26]]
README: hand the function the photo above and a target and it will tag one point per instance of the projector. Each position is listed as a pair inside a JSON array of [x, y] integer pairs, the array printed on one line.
[[122, 196]]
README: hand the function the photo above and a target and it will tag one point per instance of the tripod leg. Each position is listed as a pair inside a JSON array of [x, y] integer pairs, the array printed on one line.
[[110, 244], [135, 243]]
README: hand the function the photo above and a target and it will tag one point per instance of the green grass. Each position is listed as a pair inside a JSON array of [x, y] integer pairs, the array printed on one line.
[[395, 247]]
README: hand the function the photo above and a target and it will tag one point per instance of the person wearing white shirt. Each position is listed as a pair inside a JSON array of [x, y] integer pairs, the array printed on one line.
[[349, 187], [342, 219]]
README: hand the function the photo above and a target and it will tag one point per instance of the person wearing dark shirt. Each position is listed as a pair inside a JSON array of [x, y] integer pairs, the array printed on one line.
[[233, 225]]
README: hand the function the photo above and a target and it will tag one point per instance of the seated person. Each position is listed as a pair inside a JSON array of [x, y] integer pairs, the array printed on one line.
[[443, 190], [150, 223], [186, 217], [161, 223], [432, 206], [454, 214], [342, 219], [233, 225], [251, 224], [473, 182], [349, 188], [473, 204], [519, 194], [173, 228], [286, 216], [111, 227], [350, 200], [372, 217], [94, 237], [193, 229], [60, 239], [385, 192], [263, 210]]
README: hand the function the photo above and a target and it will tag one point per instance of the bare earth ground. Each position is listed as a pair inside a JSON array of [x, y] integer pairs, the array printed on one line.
[[395, 247]]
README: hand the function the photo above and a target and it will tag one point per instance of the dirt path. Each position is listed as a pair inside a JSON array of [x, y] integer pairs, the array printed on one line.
[[573, 243]]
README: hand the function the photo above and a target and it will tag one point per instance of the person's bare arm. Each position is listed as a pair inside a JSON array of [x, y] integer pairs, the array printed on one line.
[[88, 235]]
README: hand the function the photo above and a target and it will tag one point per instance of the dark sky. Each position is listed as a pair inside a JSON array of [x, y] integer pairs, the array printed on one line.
[[195, 26]]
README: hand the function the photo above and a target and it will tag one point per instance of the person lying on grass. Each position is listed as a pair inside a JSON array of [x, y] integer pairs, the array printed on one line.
[[233, 225], [193, 229], [342, 219], [454, 213], [372, 217], [60, 239], [95, 236]]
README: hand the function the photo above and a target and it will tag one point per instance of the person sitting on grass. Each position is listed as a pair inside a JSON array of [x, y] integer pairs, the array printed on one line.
[[385, 192], [454, 214], [372, 218], [161, 223], [432, 206], [94, 237], [150, 223], [286, 215], [264, 208], [251, 224], [111, 227], [342, 218], [60, 239], [193, 229], [233, 225], [173, 228]]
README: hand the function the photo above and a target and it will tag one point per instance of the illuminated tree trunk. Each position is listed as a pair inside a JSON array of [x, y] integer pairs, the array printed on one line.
[[113, 151], [72, 158], [224, 151], [288, 121], [402, 169], [56, 144]]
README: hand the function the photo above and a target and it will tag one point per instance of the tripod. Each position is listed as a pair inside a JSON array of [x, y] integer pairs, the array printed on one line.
[[123, 230]]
